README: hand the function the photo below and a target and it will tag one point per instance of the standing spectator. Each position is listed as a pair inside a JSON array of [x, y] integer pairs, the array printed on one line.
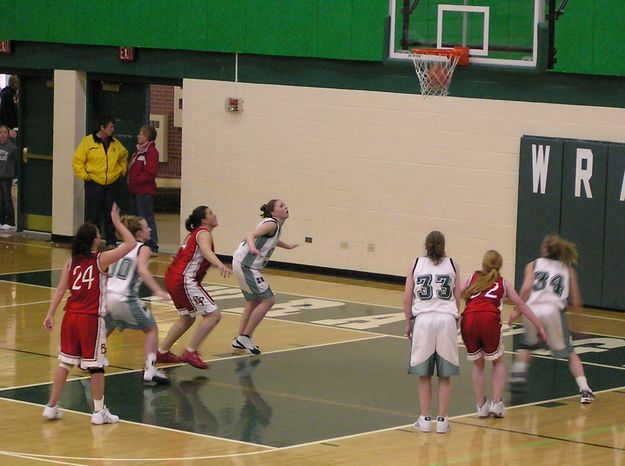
[[142, 171], [431, 298], [100, 161], [8, 104], [8, 164]]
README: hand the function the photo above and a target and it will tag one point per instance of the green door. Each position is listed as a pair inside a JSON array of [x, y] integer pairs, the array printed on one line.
[[128, 104], [35, 140]]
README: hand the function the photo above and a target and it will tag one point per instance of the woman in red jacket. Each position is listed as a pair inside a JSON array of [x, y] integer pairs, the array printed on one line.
[[142, 172]]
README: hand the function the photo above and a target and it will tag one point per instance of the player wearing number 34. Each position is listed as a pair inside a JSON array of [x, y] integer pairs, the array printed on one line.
[[549, 282], [83, 332]]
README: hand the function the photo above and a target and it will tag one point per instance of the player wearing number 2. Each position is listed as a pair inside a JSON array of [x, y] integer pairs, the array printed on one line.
[[83, 332], [480, 325], [431, 309], [549, 284]]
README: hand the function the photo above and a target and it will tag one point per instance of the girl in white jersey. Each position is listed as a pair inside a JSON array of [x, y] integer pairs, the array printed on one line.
[[431, 308], [549, 284], [248, 260], [123, 304]]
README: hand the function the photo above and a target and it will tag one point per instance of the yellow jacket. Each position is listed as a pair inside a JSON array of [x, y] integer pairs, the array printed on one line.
[[92, 163]]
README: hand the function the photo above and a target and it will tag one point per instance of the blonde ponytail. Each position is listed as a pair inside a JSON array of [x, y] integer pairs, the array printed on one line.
[[491, 263]]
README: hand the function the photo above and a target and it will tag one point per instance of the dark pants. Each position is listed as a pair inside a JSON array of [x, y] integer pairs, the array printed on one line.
[[7, 213], [143, 206], [99, 201]]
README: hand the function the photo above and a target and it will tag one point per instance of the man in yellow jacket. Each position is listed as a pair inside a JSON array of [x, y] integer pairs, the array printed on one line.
[[100, 161]]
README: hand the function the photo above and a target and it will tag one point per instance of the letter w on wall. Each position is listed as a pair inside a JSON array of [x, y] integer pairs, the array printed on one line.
[[540, 167]]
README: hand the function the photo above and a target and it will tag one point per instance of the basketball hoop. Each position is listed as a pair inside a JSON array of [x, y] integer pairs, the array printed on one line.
[[435, 67]]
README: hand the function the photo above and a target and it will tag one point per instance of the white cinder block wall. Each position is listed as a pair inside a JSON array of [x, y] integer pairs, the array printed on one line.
[[368, 168]]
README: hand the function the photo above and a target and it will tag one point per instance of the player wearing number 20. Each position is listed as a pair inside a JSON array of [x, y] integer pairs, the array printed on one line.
[[83, 332], [431, 309]]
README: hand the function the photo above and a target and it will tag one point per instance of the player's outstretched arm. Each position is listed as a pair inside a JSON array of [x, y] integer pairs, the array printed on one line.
[[524, 309], [129, 241], [282, 244]]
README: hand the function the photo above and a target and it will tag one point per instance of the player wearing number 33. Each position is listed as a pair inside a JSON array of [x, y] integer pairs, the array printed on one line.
[[83, 332], [549, 282], [431, 309]]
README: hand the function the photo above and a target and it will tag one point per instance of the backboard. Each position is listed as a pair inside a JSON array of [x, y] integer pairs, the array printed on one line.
[[497, 32]]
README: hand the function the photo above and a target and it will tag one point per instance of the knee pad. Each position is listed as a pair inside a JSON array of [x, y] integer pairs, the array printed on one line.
[[96, 370]]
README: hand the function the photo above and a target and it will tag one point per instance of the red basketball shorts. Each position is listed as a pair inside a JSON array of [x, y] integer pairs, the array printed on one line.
[[481, 333], [83, 340]]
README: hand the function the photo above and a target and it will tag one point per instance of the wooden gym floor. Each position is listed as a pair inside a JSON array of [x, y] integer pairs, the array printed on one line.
[[331, 386]]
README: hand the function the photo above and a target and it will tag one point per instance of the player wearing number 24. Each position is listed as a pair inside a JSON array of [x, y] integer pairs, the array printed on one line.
[[83, 332]]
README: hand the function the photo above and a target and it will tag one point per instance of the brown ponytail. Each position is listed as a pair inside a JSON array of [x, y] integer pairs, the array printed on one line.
[[557, 248], [435, 246]]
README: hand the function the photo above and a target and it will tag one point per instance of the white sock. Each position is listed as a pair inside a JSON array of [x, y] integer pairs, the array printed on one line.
[[582, 383], [150, 361], [519, 367], [98, 405]]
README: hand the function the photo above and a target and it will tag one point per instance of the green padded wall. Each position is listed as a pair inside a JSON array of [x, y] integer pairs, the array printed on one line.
[[583, 213], [538, 212], [589, 36], [342, 29], [591, 214], [614, 250]]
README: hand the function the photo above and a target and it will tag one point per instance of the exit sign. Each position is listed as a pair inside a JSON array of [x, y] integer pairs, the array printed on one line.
[[5, 47], [127, 54]]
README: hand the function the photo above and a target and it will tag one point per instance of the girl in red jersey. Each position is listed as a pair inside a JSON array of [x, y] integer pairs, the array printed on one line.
[[183, 280], [83, 333], [481, 329]]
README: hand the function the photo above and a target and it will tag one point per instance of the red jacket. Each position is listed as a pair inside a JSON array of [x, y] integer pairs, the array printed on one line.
[[142, 171]]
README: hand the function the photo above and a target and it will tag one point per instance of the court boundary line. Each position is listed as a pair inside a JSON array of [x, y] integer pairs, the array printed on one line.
[[141, 424], [26, 456], [34, 303], [32, 271], [317, 442], [241, 356], [377, 335]]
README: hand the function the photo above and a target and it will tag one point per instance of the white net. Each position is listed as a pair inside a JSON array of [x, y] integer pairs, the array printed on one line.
[[434, 72]]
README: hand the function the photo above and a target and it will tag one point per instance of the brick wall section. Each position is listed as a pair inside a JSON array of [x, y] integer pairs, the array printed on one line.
[[162, 103]]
